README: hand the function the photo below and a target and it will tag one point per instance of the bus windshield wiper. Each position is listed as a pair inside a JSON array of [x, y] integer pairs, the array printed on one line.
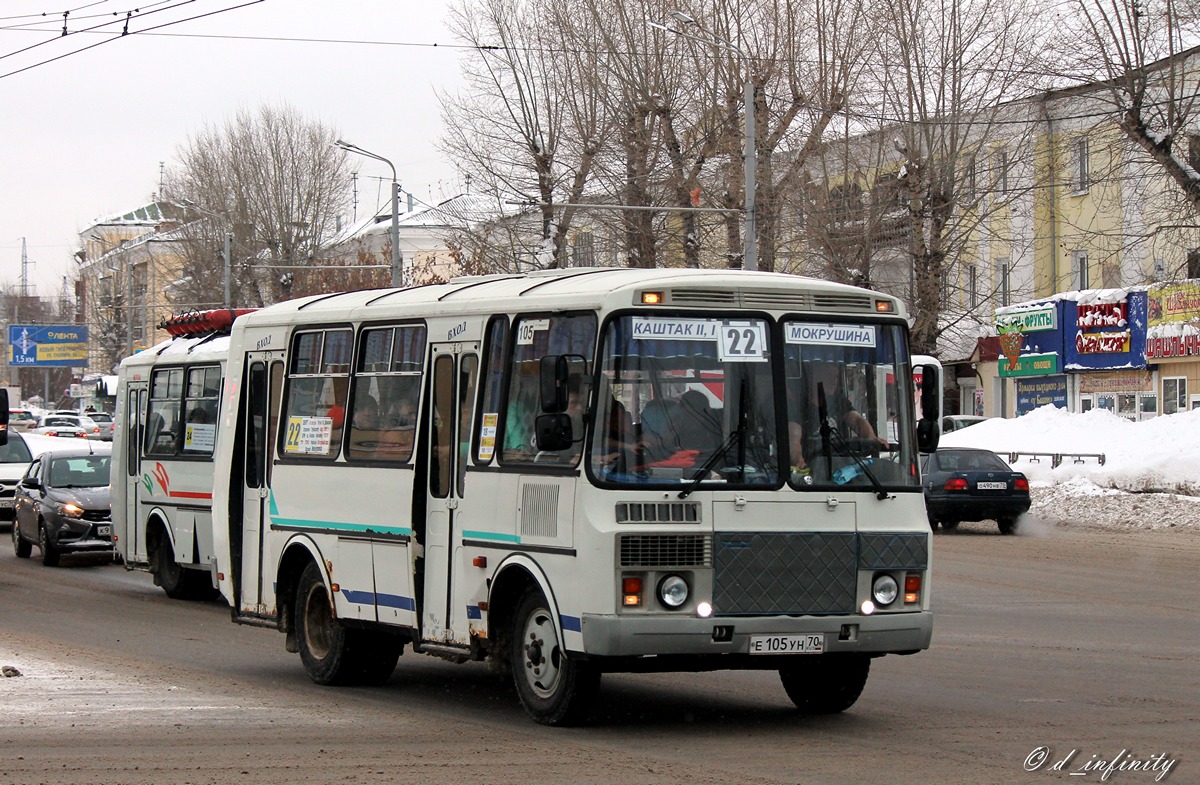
[[737, 435]]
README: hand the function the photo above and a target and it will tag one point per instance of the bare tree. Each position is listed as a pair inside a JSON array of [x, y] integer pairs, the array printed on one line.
[[943, 161], [528, 127], [271, 178]]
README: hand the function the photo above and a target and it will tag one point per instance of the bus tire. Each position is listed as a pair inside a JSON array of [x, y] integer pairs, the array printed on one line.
[[375, 654], [323, 642], [178, 582], [827, 684], [22, 547], [554, 689]]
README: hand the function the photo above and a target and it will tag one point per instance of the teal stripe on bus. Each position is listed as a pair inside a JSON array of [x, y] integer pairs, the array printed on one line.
[[493, 536], [302, 523]]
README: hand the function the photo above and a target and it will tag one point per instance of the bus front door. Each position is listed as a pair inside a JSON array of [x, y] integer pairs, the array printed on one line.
[[134, 535], [452, 395], [257, 430]]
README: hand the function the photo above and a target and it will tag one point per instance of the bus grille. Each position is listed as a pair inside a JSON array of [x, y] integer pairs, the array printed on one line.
[[665, 550], [805, 572], [773, 299], [770, 574]]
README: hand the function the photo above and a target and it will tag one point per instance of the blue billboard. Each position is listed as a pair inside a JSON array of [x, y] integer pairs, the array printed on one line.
[[47, 346], [1032, 393], [1104, 335]]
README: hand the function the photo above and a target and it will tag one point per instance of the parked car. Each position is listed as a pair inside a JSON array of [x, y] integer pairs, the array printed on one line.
[[14, 459], [956, 422], [969, 484], [106, 423], [21, 420], [62, 505], [67, 425]]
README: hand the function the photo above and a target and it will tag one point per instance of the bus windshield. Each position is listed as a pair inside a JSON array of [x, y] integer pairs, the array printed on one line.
[[684, 399], [848, 420]]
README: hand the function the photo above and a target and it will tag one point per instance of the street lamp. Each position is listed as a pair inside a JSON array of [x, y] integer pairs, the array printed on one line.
[[750, 151], [394, 232]]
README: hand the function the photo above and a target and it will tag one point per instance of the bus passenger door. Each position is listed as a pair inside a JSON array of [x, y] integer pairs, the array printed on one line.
[[134, 536], [452, 395], [258, 425]]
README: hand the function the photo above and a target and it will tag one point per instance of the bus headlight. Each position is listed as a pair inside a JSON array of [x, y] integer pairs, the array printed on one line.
[[885, 589], [673, 591]]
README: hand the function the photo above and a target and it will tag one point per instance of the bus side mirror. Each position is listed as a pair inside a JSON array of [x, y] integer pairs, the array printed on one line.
[[928, 432], [554, 374], [3, 416]]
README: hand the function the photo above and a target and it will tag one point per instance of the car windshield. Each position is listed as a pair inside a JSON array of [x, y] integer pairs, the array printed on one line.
[[684, 399], [970, 461], [81, 471], [16, 451], [849, 420]]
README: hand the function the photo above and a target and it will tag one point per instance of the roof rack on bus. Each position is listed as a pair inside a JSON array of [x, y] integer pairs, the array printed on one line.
[[216, 320]]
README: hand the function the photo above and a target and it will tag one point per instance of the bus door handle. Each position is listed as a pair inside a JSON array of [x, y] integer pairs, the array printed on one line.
[[451, 503]]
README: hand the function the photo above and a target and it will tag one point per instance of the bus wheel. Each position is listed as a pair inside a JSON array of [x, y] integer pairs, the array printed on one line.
[[21, 547], [323, 641], [555, 689], [375, 654], [179, 583], [827, 684]]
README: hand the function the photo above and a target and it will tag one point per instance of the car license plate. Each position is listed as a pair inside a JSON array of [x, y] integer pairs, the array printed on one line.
[[6, 502], [787, 644], [104, 531], [992, 486]]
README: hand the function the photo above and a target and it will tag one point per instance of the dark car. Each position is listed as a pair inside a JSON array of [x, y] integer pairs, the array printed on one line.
[[62, 505], [968, 484]]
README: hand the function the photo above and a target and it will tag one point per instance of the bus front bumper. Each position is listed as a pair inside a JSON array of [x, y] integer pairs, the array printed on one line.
[[668, 634]]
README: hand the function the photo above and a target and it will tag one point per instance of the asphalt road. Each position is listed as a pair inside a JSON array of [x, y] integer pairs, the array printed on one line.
[[1071, 641]]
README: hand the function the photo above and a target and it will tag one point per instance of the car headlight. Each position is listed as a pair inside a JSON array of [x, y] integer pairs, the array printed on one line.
[[673, 591], [885, 589], [71, 510]]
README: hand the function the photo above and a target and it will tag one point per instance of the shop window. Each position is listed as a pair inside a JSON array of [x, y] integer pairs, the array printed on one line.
[[1174, 394], [1087, 403], [1127, 405], [1149, 404]]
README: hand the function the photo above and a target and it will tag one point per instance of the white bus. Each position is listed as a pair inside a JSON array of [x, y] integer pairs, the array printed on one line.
[[162, 472], [576, 472]]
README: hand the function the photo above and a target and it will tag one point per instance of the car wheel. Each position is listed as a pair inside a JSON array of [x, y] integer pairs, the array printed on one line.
[[21, 547], [49, 550], [826, 684], [949, 525], [1007, 525], [933, 525], [554, 689]]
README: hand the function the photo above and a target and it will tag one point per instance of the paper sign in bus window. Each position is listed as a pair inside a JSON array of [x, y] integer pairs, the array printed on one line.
[[487, 436], [200, 437], [657, 328], [309, 435]]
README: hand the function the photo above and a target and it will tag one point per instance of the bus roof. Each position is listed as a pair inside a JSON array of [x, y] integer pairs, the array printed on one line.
[[585, 288]]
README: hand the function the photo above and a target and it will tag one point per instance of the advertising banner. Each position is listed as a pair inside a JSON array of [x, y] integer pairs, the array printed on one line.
[[47, 345], [1174, 303], [1106, 335], [1032, 393]]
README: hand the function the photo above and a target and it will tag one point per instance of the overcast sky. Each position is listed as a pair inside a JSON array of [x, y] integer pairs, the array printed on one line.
[[84, 136]]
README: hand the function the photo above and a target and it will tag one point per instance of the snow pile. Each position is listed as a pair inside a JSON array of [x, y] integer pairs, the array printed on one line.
[[1158, 455], [1150, 478]]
